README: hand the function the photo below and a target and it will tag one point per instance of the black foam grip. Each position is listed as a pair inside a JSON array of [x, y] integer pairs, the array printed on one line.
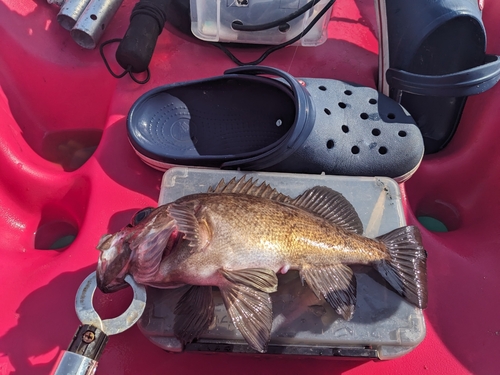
[[137, 46]]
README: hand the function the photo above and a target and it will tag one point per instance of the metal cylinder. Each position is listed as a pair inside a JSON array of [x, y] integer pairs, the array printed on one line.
[[70, 11], [83, 353], [93, 21], [75, 364], [56, 2]]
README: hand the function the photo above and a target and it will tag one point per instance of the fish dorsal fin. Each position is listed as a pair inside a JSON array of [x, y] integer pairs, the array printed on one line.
[[336, 283], [249, 187], [330, 205]]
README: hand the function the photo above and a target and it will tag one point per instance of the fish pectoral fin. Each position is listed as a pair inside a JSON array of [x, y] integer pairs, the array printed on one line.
[[406, 270], [194, 313], [186, 222], [258, 278], [251, 312], [331, 206], [336, 283]]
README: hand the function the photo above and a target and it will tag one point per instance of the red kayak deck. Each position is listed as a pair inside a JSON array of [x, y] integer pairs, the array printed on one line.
[[68, 170]]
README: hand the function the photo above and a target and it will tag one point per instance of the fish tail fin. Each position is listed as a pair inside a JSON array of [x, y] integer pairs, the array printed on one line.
[[406, 268]]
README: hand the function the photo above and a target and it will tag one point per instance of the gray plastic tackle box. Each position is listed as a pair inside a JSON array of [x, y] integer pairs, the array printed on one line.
[[384, 325]]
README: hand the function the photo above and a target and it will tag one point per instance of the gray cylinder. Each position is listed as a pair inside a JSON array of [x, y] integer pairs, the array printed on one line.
[[75, 364], [93, 21], [70, 12], [56, 2]]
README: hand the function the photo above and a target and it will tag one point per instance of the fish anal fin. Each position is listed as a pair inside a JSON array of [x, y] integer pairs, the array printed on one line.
[[251, 312], [336, 283], [262, 279], [330, 205], [249, 187], [406, 268], [194, 313]]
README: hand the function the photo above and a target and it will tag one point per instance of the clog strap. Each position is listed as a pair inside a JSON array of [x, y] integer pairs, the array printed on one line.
[[464, 83], [303, 124]]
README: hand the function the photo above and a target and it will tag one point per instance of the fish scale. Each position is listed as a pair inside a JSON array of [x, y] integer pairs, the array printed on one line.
[[247, 223]]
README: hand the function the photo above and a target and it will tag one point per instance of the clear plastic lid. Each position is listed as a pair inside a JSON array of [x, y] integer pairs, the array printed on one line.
[[212, 20]]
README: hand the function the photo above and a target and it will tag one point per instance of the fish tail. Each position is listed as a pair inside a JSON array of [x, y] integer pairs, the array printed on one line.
[[406, 268]]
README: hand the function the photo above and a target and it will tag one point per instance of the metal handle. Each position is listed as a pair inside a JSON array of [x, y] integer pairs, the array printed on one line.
[[83, 353], [86, 313], [87, 345], [75, 364]]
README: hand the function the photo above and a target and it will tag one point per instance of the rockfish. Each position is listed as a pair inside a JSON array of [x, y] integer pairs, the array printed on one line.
[[238, 236]]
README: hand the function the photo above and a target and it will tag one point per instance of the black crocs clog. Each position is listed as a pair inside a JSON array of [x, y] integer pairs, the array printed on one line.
[[249, 121], [432, 56]]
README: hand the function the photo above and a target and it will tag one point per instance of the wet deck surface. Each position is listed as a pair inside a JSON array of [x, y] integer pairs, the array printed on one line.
[[68, 173]]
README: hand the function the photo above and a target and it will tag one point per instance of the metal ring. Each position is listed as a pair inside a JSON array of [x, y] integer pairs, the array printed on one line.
[[87, 314]]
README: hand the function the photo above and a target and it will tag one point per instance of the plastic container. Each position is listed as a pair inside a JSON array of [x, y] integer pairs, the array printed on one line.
[[211, 20], [384, 325]]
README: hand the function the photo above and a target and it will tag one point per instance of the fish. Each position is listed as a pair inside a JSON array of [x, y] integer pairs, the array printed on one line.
[[238, 236]]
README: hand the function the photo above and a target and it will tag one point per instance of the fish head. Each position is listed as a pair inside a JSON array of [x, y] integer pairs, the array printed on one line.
[[137, 249], [116, 254], [114, 261]]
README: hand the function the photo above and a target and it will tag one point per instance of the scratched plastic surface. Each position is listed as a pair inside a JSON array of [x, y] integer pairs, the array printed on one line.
[[67, 172], [212, 22], [384, 325]]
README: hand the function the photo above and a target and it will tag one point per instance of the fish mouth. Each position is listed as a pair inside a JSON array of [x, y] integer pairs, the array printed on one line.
[[105, 242], [150, 244], [113, 264]]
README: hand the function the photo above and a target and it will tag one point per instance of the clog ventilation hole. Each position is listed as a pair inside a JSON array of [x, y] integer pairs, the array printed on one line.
[[364, 116]]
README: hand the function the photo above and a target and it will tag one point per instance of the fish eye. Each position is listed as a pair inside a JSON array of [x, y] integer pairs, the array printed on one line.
[[141, 215]]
